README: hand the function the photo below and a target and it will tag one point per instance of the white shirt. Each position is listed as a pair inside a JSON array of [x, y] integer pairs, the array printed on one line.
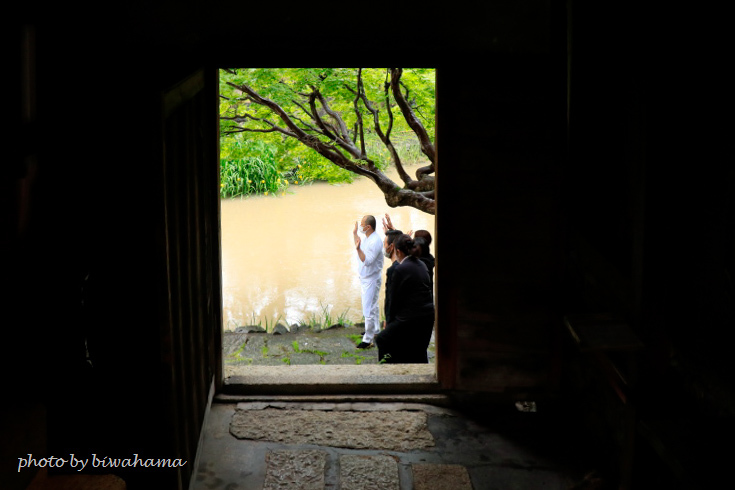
[[372, 247]]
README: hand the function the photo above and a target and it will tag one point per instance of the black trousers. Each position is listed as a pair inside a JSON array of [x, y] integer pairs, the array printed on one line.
[[405, 341]]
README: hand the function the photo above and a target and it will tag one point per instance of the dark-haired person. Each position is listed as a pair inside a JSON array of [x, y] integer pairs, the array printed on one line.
[[410, 320], [389, 251], [423, 239], [370, 266], [423, 234]]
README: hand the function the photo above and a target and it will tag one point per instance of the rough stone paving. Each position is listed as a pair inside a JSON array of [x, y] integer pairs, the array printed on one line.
[[361, 472], [395, 431], [295, 470], [454, 451]]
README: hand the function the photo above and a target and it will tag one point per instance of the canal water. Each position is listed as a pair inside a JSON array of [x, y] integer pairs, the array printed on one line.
[[292, 257]]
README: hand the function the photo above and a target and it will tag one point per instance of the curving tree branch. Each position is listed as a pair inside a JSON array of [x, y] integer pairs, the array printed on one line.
[[385, 137], [427, 147], [334, 115], [334, 142], [358, 114]]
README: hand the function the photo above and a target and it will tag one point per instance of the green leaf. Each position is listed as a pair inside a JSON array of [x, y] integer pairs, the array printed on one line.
[[270, 157]]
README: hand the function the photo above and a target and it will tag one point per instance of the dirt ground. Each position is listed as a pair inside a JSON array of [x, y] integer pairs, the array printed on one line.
[[335, 345]]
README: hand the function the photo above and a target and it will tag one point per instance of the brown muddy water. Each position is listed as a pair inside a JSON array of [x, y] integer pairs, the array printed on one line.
[[291, 257]]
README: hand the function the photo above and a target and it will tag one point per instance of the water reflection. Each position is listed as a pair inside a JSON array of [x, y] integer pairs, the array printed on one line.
[[292, 256]]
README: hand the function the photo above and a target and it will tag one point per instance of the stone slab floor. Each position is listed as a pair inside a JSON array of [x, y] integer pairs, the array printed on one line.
[[382, 445]]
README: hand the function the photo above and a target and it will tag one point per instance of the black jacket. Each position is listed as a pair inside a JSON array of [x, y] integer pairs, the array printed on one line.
[[388, 282], [428, 260], [410, 291]]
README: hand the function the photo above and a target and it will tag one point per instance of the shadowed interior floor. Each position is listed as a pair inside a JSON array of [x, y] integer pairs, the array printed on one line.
[[391, 445]]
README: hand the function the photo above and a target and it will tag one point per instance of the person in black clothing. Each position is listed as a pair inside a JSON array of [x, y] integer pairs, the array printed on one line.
[[410, 319], [389, 250], [423, 239]]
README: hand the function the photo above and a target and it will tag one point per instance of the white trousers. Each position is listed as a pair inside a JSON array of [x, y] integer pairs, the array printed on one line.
[[370, 310]]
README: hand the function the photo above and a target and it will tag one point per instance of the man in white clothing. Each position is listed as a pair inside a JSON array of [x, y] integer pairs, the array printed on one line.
[[370, 265]]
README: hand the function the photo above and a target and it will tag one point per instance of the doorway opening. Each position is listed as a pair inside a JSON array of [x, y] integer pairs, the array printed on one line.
[[292, 313]]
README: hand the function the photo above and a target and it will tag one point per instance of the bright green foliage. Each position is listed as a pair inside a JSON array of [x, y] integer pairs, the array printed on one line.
[[273, 157], [249, 166], [238, 351], [358, 359]]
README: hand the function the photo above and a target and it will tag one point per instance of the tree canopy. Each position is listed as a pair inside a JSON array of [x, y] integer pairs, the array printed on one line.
[[350, 116]]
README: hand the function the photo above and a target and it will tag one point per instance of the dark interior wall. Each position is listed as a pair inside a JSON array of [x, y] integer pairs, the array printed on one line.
[[191, 321], [500, 144], [89, 261], [637, 220], [612, 118], [649, 195], [649, 202]]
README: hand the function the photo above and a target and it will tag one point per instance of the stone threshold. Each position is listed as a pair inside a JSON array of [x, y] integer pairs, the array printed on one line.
[[322, 379], [436, 400]]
